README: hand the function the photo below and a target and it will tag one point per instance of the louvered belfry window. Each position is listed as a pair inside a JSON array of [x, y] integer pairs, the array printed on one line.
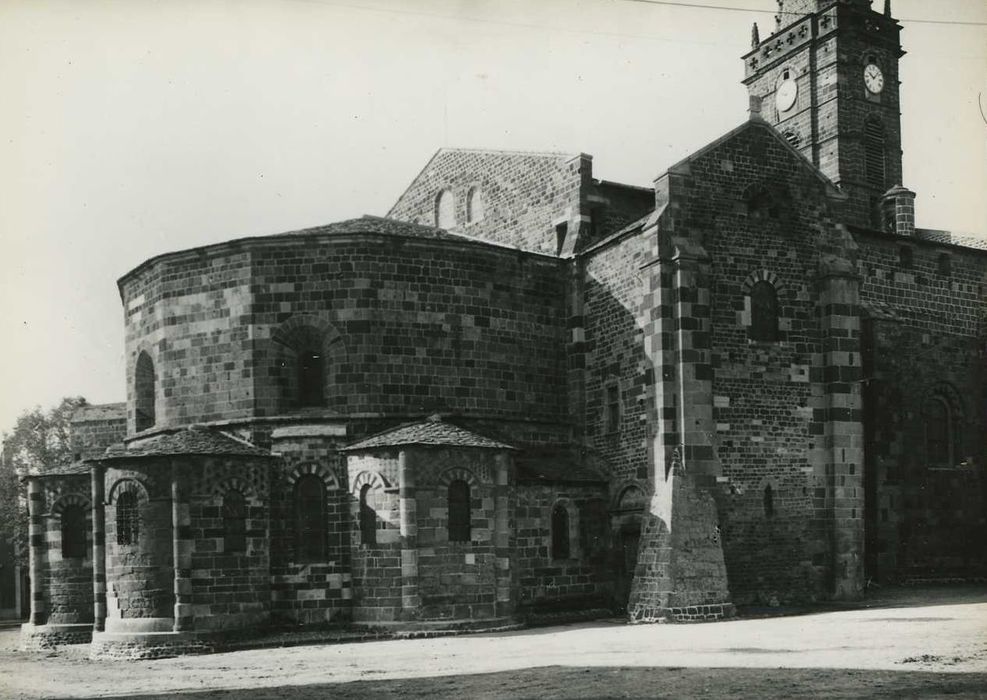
[[874, 153]]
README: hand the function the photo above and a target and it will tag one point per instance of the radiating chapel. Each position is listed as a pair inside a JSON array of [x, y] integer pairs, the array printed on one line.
[[530, 391]]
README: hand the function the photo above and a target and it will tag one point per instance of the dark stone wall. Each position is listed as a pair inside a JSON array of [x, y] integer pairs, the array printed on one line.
[[320, 591], [140, 576], [67, 583], [925, 341], [585, 577]]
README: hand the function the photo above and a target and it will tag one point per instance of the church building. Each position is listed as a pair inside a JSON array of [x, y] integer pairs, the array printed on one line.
[[527, 390]]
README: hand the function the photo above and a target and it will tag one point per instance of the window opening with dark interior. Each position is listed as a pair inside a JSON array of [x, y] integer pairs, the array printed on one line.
[[764, 312], [905, 257], [459, 511], [938, 433], [234, 522], [560, 532], [144, 392], [368, 518], [73, 531], [613, 409], [311, 378], [769, 502], [310, 508]]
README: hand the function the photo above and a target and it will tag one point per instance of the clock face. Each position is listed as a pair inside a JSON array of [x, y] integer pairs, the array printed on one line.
[[873, 78], [786, 94]]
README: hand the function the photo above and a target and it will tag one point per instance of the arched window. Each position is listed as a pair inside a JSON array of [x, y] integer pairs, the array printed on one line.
[[234, 522], [874, 154], [938, 433], [445, 209], [368, 518], [127, 518], [310, 526], [769, 502], [764, 312], [474, 206], [311, 377], [144, 392], [73, 531], [560, 532], [459, 511]]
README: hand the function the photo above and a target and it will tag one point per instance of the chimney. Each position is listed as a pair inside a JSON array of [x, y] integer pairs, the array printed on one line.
[[898, 211]]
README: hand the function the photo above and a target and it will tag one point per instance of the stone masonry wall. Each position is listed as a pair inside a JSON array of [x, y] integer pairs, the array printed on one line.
[[524, 195], [761, 215], [583, 579], [376, 566], [190, 313], [140, 576], [316, 592], [94, 428], [414, 326], [614, 360], [925, 340], [456, 580], [230, 589], [67, 582]]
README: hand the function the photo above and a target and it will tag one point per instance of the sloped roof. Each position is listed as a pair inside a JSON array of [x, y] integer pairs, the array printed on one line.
[[880, 310], [430, 433], [77, 467], [100, 412], [554, 465], [958, 239], [376, 224], [194, 440]]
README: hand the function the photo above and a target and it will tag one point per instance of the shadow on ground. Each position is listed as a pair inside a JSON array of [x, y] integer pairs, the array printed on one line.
[[630, 682]]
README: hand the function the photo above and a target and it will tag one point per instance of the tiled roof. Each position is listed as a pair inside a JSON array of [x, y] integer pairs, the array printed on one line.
[[78, 467], [960, 239], [376, 224], [195, 440], [99, 412], [432, 432], [554, 465]]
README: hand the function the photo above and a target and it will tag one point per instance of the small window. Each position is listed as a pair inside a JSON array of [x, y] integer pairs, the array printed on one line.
[[560, 532], [234, 522], [311, 378], [368, 518], [310, 509], [613, 408], [945, 264], [445, 209], [769, 502], [764, 312], [905, 257], [459, 511], [938, 433], [474, 206], [793, 138], [127, 518], [73, 532], [144, 392]]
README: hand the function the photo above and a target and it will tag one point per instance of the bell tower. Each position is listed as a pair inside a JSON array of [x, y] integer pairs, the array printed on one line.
[[828, 79]]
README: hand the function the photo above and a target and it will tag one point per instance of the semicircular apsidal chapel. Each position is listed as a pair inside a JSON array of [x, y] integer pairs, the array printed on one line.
[[529, 392]]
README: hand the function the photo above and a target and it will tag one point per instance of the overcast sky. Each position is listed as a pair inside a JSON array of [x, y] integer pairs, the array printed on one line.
[[132, 128]]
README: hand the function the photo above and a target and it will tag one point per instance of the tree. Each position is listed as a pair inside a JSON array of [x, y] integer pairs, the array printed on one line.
[[39, 439]]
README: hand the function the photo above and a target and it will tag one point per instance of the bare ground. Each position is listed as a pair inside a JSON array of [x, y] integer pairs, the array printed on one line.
[[908, 643]]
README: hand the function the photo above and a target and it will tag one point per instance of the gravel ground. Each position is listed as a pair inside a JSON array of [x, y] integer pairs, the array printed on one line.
[[907, 643]]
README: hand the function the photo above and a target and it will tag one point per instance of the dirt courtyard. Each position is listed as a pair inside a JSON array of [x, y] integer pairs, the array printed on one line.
[[927, 642]]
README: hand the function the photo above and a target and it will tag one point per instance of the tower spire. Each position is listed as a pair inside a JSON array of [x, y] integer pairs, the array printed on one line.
[[887, 8], [755, 37]]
